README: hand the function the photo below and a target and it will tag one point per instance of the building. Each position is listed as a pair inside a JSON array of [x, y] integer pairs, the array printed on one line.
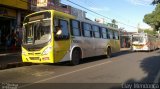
[[37, 5], [125, 38], [12, 13]]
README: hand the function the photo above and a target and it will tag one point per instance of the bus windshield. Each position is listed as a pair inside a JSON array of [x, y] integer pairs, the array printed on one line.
[[37, 32], [138, 39]]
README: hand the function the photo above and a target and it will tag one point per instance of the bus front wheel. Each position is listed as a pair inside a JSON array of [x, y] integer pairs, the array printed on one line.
[[76, 56]]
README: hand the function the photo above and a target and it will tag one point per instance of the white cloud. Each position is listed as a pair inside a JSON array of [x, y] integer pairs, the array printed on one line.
[[141, 2]]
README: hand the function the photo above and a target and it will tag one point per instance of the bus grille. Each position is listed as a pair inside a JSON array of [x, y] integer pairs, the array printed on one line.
[[34, 53], [34, 58]]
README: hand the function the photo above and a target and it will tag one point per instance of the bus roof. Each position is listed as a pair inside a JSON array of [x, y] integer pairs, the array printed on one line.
[[58, 13]]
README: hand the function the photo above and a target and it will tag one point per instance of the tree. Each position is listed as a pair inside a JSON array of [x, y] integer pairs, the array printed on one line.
[[153, 19], [150, 32], [114, 21], [155, 2]]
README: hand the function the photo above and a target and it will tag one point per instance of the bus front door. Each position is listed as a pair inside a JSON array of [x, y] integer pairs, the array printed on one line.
[[62, 40]]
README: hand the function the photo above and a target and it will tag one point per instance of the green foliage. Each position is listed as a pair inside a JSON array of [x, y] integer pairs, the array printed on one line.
[[150, 32], [114, 21], [155, 2], [153, 19]]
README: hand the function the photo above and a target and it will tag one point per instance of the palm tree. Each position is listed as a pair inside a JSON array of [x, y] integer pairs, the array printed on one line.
[[155, 2]]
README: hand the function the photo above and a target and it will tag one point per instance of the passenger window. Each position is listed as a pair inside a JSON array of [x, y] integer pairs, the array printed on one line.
[[116, 35], [110, 34], [75, 28], [104, 33], [96, 32], [87, 30], [113, 34]]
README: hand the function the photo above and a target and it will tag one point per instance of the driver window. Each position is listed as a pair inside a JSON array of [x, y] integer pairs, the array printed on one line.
[[61, 30]]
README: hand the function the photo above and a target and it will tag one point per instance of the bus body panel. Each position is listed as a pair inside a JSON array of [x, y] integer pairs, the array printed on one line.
[[62, 47]]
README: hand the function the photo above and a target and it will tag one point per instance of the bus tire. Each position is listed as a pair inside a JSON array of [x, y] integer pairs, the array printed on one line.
[[76, 57], [109, 52]]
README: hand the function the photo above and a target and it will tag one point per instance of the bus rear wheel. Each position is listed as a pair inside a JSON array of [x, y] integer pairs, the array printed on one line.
[[76, 57], [109, 53]]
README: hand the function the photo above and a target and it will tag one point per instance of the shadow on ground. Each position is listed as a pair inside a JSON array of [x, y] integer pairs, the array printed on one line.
[[151, 66], [93, 59]]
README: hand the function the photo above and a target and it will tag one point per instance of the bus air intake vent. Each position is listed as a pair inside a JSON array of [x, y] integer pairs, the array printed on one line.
[[34, 58]]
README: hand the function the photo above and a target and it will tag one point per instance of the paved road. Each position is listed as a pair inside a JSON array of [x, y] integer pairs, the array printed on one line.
[[98, 72]]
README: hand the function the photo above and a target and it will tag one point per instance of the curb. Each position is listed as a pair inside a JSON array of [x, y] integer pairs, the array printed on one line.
[[4, 54], [15, 65]]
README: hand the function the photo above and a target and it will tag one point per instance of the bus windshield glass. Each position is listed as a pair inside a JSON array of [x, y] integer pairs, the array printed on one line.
[[37, 29], [37, 32], [138, 39]]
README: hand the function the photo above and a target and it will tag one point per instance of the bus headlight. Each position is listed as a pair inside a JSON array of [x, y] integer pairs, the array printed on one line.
[[47, 50]]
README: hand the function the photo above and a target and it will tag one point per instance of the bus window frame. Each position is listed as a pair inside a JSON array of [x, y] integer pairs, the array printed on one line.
[[113, 32], [110, 33], [72, 27], [106, 33], [83, 30], [62, 36], [116, 35], [96, 31]]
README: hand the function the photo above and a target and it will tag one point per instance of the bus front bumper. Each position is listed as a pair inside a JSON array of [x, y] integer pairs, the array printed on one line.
[[37, 59]]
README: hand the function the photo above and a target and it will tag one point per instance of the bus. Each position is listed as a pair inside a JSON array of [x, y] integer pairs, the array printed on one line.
[[158, 42], [144, 42], [51, 36]]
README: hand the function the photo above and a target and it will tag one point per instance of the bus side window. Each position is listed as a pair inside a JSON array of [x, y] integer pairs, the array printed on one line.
[[104, 33], [109, 37], [87, 30], [110, 34], [114, 37], [75, 28], [96, 31], [61, 31]]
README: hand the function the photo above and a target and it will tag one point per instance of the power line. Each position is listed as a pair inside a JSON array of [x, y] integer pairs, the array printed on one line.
[[88, 9], [100, 14]]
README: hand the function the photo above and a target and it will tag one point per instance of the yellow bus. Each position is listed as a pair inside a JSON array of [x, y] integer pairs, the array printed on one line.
[[51, 36]]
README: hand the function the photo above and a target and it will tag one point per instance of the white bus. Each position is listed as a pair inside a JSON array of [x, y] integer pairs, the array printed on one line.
[[143, 42]]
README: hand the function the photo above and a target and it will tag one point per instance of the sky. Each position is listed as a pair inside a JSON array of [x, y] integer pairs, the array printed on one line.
[[128, 12]]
